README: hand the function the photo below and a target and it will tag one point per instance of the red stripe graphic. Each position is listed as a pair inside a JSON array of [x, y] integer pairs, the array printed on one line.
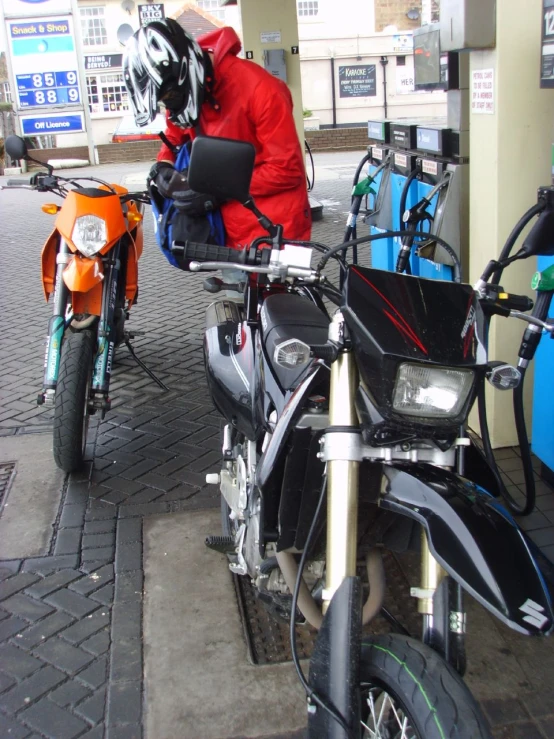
[[400, 322]]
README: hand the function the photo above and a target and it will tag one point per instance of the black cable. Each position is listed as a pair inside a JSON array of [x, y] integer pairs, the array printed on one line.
[[404, 196], [312, 696], [312, 183], [387, 234], [513, 237]]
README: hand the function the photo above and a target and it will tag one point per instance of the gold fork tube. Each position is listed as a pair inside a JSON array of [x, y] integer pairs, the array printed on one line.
[[342, 482], [431, 575]]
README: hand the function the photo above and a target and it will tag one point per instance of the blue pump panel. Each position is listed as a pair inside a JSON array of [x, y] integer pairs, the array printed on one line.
[[542, 438], [427, 268]]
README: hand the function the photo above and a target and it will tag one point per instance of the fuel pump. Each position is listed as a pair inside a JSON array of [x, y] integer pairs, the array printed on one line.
[[440, 207]]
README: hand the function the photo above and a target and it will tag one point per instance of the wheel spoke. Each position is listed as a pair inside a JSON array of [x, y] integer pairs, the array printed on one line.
[[384, 716]]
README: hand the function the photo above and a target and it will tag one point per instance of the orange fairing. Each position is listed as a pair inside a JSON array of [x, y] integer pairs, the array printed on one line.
[[107, 207], [48, 259], [83, 273], [131, 284]]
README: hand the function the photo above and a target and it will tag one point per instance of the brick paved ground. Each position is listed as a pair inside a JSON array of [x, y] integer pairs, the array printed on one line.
[[70, 622]]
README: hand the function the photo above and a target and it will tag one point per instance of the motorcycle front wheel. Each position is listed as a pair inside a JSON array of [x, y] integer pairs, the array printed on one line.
[[409, 692], [71, 413]]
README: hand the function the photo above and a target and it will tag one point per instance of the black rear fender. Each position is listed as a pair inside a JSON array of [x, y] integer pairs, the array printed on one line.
[[476, 540]]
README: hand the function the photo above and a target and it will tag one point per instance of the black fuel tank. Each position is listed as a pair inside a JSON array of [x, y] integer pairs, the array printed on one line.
[[229, 358]]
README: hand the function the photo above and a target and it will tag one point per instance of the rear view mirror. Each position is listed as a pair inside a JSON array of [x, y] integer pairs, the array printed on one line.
[[221, 167], [16, 147]]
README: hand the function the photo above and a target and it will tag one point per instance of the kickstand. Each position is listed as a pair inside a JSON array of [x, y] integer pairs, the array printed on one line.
[[144, 367]]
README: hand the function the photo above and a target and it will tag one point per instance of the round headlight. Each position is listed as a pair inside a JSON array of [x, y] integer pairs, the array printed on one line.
[[89, 234]]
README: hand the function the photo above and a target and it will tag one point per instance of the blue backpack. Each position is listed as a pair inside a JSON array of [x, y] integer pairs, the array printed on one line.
[[170, 225]]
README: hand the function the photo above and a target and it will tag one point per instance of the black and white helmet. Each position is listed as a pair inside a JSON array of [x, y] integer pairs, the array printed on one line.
[[163, 61]]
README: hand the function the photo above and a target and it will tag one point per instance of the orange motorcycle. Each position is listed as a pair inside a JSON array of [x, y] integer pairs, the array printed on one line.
[[90, 274]]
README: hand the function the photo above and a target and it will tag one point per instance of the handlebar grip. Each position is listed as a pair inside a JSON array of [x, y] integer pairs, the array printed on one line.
[[18, 182], [194, 252], [515, 302]]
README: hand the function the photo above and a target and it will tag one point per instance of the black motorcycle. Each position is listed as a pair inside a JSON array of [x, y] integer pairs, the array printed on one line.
[[345, 437]]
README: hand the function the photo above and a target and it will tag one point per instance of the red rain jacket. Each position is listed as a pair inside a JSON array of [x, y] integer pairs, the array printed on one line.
[[257, 107]]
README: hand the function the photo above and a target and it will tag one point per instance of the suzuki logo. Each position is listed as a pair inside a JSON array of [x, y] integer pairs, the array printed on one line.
[[535, 613]]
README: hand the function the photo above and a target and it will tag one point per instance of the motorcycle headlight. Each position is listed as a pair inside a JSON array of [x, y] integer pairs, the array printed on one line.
[[431, 392], [89, 234]]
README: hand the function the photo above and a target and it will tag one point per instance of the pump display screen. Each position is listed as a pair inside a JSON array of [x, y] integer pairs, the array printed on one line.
[[429, 68]]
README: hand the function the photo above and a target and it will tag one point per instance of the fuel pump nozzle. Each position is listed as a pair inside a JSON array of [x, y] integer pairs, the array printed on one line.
[[415, 215]]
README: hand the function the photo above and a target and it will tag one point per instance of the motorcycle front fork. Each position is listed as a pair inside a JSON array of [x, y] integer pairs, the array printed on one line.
[[106, 331]]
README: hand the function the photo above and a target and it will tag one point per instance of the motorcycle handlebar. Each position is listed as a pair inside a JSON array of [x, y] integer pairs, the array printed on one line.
[[191, 251]]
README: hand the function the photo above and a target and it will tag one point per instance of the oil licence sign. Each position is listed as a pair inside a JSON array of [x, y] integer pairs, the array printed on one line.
[[357, 81]]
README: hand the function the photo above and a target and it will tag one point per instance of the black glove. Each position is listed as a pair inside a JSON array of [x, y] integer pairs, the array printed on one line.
[[195, 203], [170, 182]]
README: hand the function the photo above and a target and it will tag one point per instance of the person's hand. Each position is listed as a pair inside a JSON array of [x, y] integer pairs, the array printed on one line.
[[170, 182], [195, 203]]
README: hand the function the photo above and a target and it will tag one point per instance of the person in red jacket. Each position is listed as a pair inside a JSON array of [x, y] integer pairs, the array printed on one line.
[[207, 89]]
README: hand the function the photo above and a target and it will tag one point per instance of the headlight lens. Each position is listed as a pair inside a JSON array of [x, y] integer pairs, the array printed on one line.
[[431, 392], [89, 234]]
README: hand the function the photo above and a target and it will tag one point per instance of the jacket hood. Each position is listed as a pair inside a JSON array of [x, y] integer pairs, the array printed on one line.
[[221, 42]]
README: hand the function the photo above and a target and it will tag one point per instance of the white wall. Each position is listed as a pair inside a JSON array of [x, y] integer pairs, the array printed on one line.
[[315, 64], [338, 18]]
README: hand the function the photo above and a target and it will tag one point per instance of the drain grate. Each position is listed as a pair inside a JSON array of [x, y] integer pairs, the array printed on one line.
[[268, 638], [7, 472]]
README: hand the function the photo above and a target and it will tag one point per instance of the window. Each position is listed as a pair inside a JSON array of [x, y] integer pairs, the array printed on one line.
[[107, 93], [400, 61], [7, 94], [93, 26], [213, 8], [308, 8]]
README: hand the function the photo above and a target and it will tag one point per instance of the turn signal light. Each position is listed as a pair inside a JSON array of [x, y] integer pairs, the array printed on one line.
[[134, 217], [51, 208]]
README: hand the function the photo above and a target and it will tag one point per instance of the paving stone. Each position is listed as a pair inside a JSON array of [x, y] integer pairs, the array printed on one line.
[[128, 586], [131, 473], [148, 495], [14, 584], [92, 709], [126, 660], [48, 718], [63, 655], [124, 703], [77, 492], [69, 693], [52, 582], [44, 629], [17, 663], [73, 515], [22, 606], [85, 627], [97, 644], [99, 511], [95, 674], [97, 733], [145, 509], [74, 603], [124, 486], [68, 541], [9, 728], [105, 554], [5, 682], [128, 531], [94, 580], [504, 710], [127, 731], [104, 595], [99, 527], [126, 621], [46, 565], [9, 568], [128, 557], [33, 687]]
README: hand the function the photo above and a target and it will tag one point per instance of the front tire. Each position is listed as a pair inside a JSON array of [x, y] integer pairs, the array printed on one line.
[[71, 402], [409, 692]]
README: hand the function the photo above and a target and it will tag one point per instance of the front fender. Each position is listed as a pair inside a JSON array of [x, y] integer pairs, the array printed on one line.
[[476, 540]]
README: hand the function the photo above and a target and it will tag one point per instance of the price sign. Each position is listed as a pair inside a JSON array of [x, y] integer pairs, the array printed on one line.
[[41, 44], [48, 88], [547, 36]]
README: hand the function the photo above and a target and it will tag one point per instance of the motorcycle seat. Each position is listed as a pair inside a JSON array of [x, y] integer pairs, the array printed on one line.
[[283, 317]]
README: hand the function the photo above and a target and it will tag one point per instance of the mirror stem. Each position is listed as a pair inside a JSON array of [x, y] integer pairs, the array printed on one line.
[[273, 230]]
